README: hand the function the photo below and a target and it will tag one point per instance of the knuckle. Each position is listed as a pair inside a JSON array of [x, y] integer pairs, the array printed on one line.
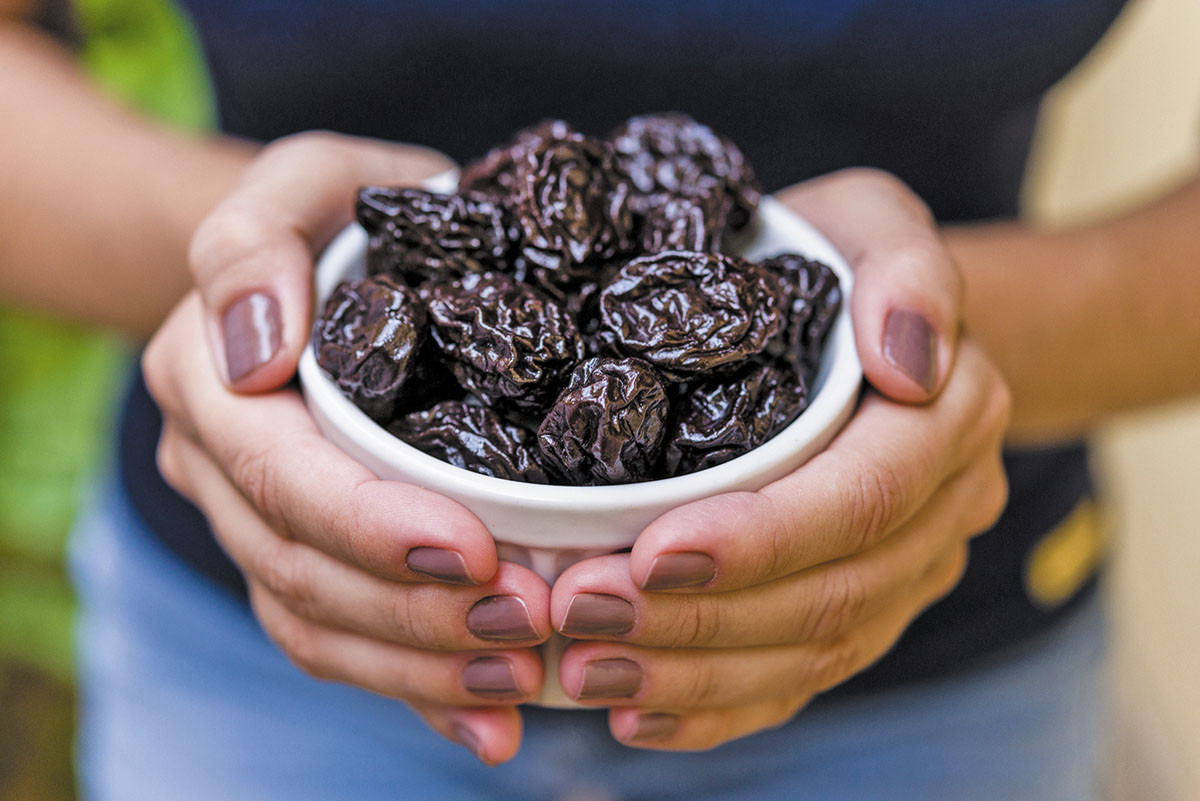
[[699, 687], [695, 624], [227, 235], [871, 503], [836, 663], [281, 570], [410, 627], [166, 458], [297, 640], [253, 472], [956, 569], [841, 604], [348, 525]]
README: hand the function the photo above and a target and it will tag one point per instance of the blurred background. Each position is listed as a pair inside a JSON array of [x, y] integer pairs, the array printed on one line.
[[1124, 125]]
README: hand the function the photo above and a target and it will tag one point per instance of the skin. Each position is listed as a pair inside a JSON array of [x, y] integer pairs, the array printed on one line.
[[816, 575]]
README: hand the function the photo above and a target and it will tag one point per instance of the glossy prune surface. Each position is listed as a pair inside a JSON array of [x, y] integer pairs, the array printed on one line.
[[367, 340], [419, 235], [571, 209], [812, 297], [504, 341], [674, 154], [719, 419], [607, 426], [474, 438], [689, 313]]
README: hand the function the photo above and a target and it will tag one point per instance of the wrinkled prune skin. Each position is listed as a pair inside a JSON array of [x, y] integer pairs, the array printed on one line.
[[493, 174], [474, 438], [423, 235], [673, 153], [689, 313], [670, 222], [812, 297], [368, 339], [718, 419], [607, 426], [571, 210], [505, 341]]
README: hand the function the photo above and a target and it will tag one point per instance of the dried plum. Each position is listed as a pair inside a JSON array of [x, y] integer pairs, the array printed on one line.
[[689, 313], [669, 222], [607, 426], [503, 340], [474, 438], [812, 296], [571, 209], [493, 174], [719, 419], [367, 340], [422, 235], [673, 153]]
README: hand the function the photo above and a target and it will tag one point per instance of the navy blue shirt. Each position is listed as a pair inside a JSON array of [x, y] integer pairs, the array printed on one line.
[[943, 93]]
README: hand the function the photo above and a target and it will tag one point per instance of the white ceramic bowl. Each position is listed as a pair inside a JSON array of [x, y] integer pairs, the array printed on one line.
[[548, 528]]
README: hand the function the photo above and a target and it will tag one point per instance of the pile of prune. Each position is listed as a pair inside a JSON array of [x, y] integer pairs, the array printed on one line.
[[569, 316]]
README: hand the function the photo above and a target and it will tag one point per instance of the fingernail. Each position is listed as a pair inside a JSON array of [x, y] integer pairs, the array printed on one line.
[[252, 333], [655, 726], [592, 613], [440, 564], [468, 740], [501, 617], [910, 344], [686, 569], [610, 678], [491, 677]]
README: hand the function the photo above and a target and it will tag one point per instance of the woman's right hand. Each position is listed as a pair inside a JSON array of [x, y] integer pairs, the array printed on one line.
[[373, 583]]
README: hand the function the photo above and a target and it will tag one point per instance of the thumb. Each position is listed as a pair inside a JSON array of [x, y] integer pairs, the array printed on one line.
[[908, 293], [252, 257]]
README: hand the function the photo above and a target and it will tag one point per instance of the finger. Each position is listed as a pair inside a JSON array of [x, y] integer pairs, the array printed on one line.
[[676, 679], [323, 590], [880, 470], [908, 294], [700, 730], [596, 599], [304, 486], [492, 734], [252, 257], [460, 678]]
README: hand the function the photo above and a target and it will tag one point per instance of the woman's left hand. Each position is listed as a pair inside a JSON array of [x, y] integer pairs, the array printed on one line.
[[732, 612]]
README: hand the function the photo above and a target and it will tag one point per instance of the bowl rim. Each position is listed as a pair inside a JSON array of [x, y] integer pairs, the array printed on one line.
[[838, 379]]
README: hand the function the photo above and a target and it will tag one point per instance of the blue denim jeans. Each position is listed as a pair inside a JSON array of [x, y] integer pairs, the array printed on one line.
[[183, 697]]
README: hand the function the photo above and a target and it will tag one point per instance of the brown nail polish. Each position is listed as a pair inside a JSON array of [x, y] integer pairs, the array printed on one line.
[[440, 564], [910, 344], [501, 617], [655, 726], [590, 614], [252, 331], [467, 739], [685, 569], [610, 678], [491, 677]]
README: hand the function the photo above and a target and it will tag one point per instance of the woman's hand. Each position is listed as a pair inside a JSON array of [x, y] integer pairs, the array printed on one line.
[[374, 583], [732, 612]]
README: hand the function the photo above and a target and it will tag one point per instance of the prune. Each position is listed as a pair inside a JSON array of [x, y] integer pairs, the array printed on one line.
[[670, 222], [421, 235], [812, 296], [367, 340], [688, 313], [607, 426], [673, 153], [474, 438], [571, 209], [493, 174], [718, 419], [503, 340]]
